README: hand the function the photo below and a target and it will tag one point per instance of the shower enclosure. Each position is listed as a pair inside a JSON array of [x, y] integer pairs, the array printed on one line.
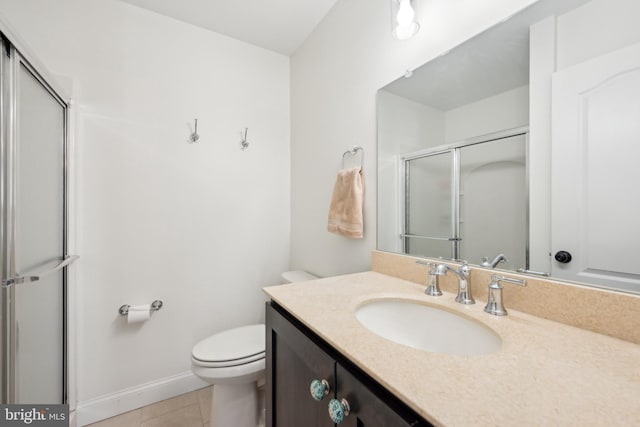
[[33, 231], [468, 200]]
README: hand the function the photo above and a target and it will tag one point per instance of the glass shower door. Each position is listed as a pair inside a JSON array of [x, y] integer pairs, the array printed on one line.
[[493, 201], [430, 223], [34, 236], [454, 200], [39, 243]]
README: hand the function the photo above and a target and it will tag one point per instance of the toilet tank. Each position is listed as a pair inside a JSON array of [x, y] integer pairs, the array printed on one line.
[[297, 276]]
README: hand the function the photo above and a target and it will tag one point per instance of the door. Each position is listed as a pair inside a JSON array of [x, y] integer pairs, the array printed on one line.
[[34, 235], [595, 232], [430, 222], [493, 201]]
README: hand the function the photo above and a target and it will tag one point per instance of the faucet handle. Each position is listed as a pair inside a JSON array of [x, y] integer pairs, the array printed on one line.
[[537, 273], [433, 287], [492, 264], [465, 268], [432, 266], [494, 300], [498, 278]]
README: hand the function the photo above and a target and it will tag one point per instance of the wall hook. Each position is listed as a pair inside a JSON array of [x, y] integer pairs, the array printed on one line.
[[194, 136], [244, 144]]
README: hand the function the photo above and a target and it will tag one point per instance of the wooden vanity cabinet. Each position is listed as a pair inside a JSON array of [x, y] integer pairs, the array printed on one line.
[[296, 356], [292, 362]]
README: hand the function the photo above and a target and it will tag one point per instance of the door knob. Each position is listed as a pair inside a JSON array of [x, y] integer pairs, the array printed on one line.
[[563, 257]]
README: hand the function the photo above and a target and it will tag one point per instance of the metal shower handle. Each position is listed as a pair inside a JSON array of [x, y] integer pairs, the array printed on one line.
[[36, 276]]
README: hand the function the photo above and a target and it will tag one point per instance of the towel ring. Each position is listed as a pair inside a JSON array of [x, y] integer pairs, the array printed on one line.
[[353, 151]]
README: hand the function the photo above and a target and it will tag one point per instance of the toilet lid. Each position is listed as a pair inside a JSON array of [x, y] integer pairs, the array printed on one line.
[[231, 347]]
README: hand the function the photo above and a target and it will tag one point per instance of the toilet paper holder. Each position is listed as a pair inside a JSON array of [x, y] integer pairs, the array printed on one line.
[[155, 306]]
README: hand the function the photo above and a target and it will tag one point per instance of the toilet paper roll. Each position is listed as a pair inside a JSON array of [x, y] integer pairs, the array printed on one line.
[[139, 313]]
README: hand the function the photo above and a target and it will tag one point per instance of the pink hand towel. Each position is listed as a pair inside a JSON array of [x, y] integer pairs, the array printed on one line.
[[345, 212]]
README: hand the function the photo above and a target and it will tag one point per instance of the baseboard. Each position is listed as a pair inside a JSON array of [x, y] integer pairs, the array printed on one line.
[[126, 400]]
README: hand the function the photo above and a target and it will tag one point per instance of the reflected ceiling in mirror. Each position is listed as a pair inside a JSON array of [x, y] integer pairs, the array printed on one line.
[[493, 62], [480, 91]]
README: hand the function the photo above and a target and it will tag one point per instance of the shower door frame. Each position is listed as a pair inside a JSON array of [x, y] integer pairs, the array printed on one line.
[[454, 229], [13, 58], [454, 149]]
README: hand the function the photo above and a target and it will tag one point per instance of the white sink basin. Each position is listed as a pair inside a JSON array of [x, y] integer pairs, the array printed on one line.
[[427, 328]]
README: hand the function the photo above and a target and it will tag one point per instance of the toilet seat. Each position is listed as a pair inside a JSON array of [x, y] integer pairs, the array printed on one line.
[[232, 347], [228, 363], [232, 356]]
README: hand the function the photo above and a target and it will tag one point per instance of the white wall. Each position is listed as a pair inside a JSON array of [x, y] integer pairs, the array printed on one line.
[[334, 78], [506, 110], [542, 62], [200, 226], [404, 126], [597, 28]]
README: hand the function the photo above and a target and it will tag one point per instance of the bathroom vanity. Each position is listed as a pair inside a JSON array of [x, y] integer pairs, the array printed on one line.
[[296, 356], [543, 373]]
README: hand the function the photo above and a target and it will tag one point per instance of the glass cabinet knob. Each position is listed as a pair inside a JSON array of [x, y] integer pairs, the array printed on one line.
[[338, 410], [319, 389]]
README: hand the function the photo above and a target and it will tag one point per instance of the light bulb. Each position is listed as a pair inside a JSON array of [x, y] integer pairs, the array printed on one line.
[[404, 32], [405, 13]]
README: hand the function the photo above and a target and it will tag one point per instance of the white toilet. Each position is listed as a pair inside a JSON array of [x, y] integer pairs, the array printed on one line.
[[233, 361]]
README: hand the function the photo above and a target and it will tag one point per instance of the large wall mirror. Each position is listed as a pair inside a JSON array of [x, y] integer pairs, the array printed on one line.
[[522, 141]]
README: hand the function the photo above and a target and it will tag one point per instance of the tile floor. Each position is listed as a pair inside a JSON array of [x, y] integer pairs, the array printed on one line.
[[188, 410]]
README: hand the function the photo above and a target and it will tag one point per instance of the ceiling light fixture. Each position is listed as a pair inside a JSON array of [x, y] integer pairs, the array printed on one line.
[[403, 15]]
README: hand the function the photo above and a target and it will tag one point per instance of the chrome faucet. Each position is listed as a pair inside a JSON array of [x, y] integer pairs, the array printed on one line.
[[464, 281], [494, 300], [498, 259]]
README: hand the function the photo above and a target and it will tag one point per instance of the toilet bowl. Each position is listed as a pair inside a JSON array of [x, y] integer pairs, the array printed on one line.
[[234, 362]]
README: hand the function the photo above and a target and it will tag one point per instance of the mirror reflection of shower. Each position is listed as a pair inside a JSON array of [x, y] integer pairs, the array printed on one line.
[[467, 201]]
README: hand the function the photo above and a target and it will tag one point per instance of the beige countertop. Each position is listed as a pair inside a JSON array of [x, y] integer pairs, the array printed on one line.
[[545, 374]]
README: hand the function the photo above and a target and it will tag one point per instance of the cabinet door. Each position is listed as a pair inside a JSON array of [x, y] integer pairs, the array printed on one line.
[[366, 408], [293, 361]]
